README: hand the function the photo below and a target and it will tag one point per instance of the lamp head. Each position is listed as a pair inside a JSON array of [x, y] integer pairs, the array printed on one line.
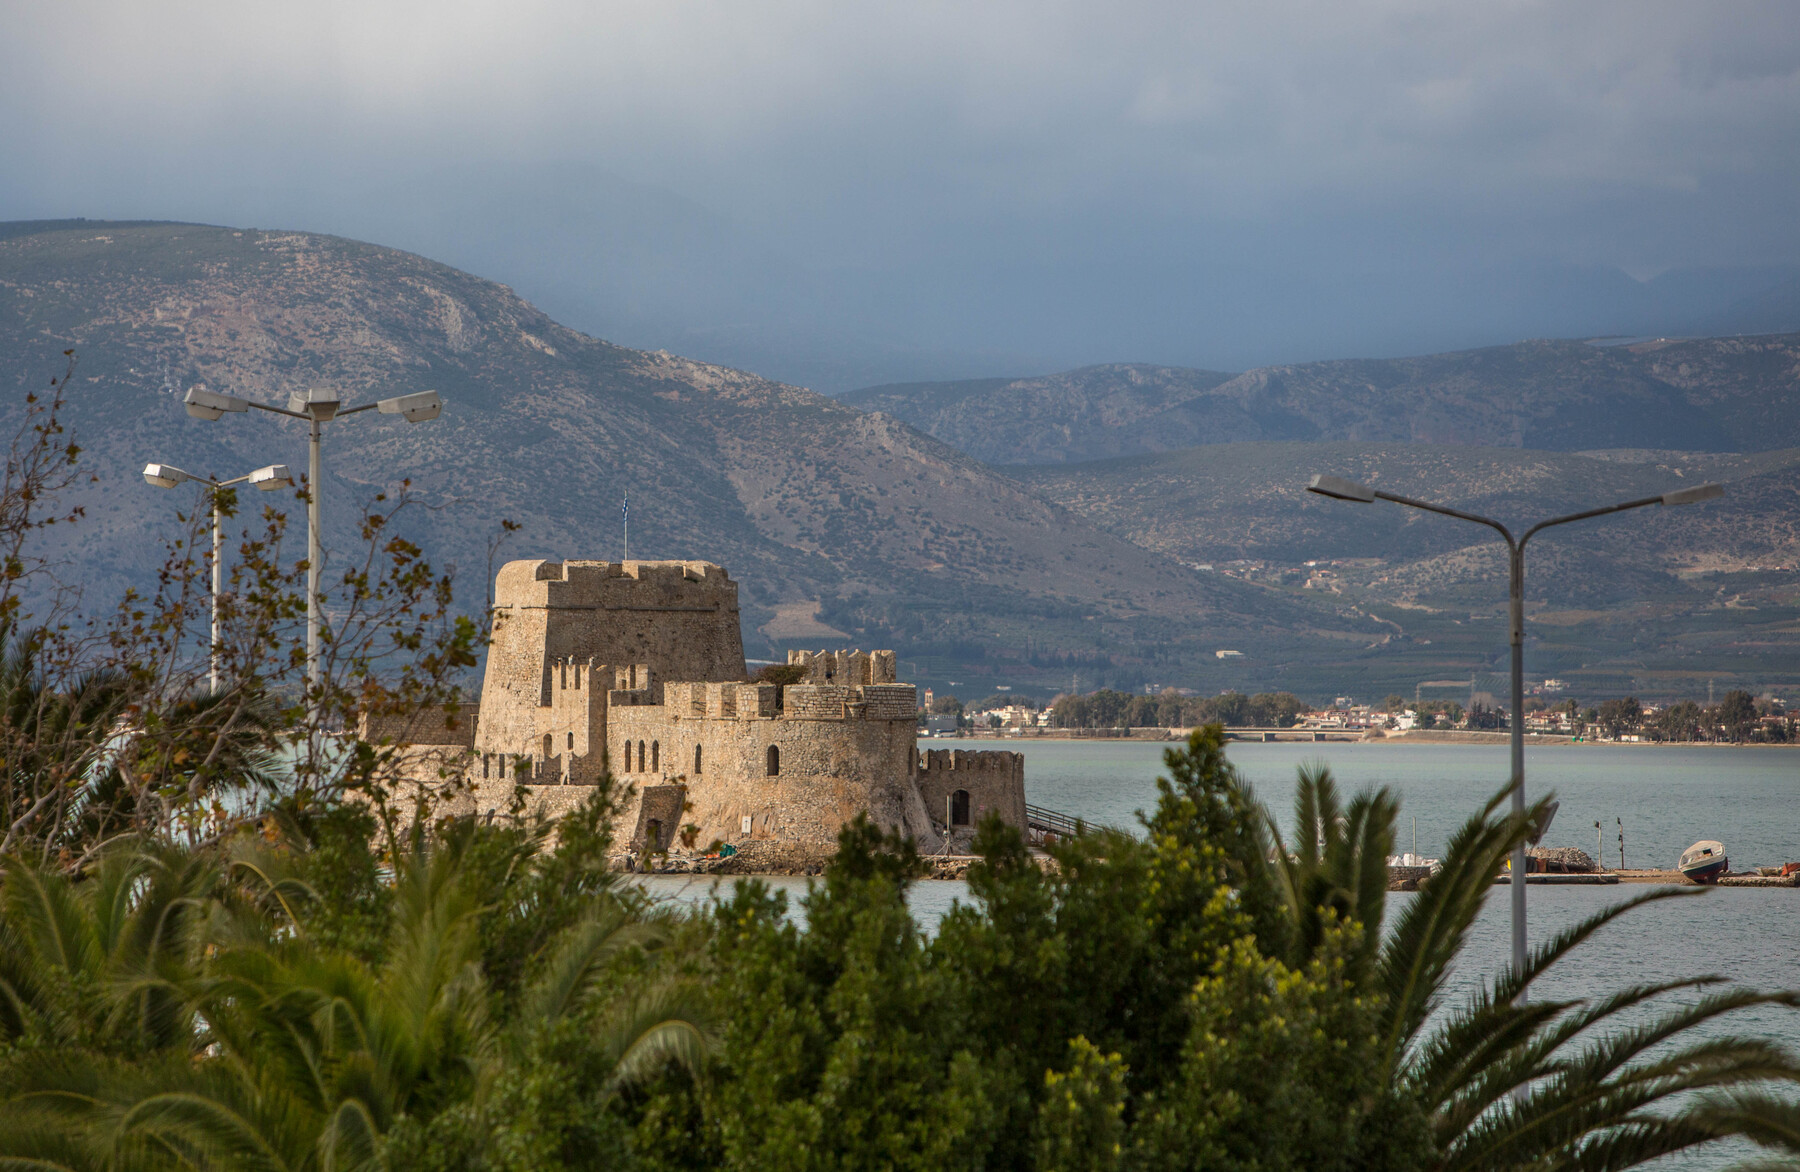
[[319, 403], [1694, 495], [205, 404], [1339, 489], [271, 478], [165, 475], [416, 407]]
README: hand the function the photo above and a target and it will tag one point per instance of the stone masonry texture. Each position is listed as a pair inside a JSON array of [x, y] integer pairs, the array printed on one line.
[[638, 668]]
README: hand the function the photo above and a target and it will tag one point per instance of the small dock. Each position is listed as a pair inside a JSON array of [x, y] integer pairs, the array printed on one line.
[[1574, 879]]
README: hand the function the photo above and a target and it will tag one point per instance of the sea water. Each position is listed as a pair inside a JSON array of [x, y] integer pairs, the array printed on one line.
[[1662, 798]]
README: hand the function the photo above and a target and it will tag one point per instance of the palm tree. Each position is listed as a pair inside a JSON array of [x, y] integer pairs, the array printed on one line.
[[1337, 867], [1508, 1083], [52, 737], [302, 1057], [98, 961]]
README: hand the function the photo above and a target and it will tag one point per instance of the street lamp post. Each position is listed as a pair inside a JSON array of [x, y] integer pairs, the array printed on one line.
[[1346, 490], [318, 407], [266, 479]]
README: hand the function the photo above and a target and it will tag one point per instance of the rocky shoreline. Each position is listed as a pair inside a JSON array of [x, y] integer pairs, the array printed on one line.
[[770, 859]]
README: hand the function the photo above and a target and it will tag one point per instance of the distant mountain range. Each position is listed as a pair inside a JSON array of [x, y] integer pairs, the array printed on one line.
[[842, 526], [1738, 394], [1652, 601], [1211, 469], [1021, 532]]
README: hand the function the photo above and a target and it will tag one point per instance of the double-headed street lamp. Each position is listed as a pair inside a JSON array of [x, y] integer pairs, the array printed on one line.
[[1346, 490], [318, 407], [267, 479]]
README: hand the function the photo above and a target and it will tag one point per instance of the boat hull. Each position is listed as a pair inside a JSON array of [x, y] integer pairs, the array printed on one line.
[[1707, 871]]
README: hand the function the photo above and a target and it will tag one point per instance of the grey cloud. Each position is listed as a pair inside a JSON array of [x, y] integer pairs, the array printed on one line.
[[843, 191]]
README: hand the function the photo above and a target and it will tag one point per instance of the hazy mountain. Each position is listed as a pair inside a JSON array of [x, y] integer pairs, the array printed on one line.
[[1654, 601], [825, 514], [1706, 394], [1086, 414], [850, 527]]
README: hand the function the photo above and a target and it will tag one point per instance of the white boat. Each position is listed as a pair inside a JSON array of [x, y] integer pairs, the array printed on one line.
[[1705, 861]]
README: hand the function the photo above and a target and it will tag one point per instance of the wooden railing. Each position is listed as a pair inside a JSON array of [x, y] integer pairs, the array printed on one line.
[[1046, 825]]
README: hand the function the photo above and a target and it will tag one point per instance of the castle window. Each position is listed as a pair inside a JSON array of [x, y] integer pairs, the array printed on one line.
[[655, 756], [549, 746], [696, 758], [640, 756], [774, 761], [959, 808], [571, 740]]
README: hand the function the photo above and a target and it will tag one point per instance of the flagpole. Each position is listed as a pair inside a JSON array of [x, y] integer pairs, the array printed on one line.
[[625, 511]]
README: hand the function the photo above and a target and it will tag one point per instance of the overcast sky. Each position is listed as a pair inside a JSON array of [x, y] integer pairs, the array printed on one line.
[[840, 193]]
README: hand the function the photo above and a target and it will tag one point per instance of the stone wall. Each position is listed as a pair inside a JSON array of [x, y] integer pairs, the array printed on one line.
[[437, 725], [636, 668], [846, 667], [826, 771], [681, 618], [662, 810], [993, 780]]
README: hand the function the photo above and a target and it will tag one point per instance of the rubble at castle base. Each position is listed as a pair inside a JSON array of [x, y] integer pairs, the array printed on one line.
[[638, 667]]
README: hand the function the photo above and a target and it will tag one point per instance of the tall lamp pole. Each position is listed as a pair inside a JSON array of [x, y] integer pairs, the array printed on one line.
[[1347, 490], [318, 407], [266, 479]]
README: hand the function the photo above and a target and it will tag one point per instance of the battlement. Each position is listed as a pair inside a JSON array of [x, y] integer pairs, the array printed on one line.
[[569, 681], [845, 667], [626, 585], [678, 620], [964, 761], [721, 701], [849, 702], [960, 787]]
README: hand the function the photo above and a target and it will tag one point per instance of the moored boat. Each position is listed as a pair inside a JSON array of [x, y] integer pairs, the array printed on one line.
[[1705, 861]]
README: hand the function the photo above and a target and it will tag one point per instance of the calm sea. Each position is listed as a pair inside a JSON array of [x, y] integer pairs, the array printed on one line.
[[1664, 798]]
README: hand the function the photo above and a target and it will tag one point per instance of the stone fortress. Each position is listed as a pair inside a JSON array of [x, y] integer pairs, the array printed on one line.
[[639, 667]]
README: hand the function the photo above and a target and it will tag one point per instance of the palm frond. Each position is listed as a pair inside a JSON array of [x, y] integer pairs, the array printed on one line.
[[665, 1024], [1492, 1020], [1769, 1120], [1433, 929], [584, 951]]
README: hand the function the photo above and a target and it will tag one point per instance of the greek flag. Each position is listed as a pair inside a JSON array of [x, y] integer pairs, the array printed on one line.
[[625, 509]]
